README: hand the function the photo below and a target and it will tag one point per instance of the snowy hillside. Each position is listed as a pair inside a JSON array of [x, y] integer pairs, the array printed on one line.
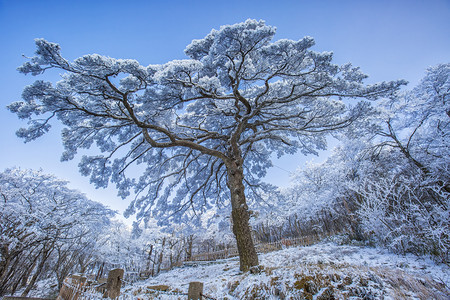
[[322, 271]]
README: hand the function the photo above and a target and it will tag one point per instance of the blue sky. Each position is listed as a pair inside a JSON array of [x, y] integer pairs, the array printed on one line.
[[387, 39]]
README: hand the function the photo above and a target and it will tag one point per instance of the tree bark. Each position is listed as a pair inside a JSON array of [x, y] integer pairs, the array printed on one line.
[[240, 216]]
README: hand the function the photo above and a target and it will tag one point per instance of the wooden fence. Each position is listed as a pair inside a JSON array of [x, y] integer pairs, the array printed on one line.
[[262, 247], [285, 243], [77, 287], [215, 255], [80, 288]]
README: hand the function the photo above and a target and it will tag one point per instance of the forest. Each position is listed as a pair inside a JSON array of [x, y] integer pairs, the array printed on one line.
[[189, 143]]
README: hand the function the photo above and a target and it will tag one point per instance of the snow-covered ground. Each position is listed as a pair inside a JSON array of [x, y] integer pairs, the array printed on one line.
[[322, 271], [46, 288]]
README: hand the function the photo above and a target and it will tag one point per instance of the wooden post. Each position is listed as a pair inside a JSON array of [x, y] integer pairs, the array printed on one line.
[[74, 290], [113, 284], [195, 290]]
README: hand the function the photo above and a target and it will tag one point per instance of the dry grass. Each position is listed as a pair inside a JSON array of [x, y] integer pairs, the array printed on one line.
[[340, 281]]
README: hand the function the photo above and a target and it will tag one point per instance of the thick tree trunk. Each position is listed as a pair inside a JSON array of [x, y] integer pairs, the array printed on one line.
[[240, 217]]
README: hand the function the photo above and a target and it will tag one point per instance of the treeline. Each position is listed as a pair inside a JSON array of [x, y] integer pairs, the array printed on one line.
[[50, 231], [46, 229]]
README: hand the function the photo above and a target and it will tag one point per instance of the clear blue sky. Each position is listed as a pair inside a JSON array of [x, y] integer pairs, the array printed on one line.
[[388, 39]]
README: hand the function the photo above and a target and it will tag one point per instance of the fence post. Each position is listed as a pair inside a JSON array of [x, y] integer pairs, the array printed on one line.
[[195, 290], [113, 284]]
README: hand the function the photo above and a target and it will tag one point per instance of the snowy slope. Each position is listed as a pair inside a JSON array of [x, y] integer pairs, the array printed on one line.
[[321, 271]]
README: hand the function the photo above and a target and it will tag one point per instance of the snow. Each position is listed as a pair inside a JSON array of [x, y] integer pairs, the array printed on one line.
[[348, 270], [331, 253], [46, 288]]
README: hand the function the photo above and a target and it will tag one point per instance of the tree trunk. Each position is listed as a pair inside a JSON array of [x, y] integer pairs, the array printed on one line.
[[26, 274], [45, 255], [188, 249], [158, 269], [100, 272], [6, 258], [240, 216], [149, 257]]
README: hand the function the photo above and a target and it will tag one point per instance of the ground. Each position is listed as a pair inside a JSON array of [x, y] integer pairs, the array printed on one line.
[[326, 270], [323, 271]]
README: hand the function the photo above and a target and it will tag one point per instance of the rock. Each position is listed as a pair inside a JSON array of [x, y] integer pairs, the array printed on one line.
[[256, 269], [161, 287]]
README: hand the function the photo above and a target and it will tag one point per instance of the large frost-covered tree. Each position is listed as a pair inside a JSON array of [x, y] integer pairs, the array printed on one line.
[[204, 128]]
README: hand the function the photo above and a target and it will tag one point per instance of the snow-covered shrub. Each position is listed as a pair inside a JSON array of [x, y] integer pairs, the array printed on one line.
[[391, 172], [405, 200], [402, 213]]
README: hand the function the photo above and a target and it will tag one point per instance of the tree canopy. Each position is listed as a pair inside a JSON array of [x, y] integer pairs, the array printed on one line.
[[205, 127]]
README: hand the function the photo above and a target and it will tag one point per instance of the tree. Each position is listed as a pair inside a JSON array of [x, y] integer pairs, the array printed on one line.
[[417, 124], [205, 127], [39, 215]]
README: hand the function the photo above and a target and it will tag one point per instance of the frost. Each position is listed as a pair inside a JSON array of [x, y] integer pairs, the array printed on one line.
[[44, 222]]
